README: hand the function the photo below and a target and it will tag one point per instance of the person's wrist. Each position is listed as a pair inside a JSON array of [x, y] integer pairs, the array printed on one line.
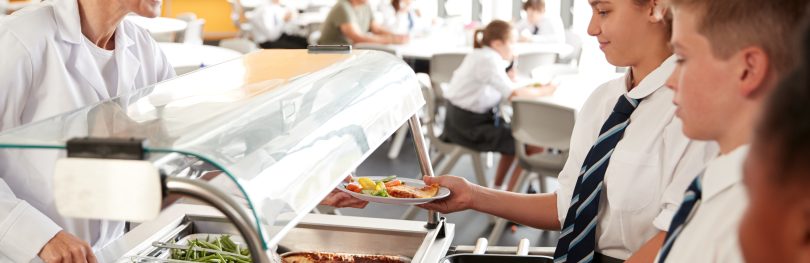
[[475, 192]]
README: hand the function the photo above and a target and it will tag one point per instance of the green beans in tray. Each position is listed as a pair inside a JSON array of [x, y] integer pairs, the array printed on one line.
[[219, 249]]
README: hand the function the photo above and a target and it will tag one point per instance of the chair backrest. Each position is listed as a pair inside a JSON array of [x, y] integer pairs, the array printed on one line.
[[546, 125], [442, 66], [575, 41], [193, 33], [429, 120], [526, 62], [240, 45], [543, 124]]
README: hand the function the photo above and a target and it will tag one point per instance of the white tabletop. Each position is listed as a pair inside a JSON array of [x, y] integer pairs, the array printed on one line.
[[159, 25], [573, 90], [184, 57], [425, 47]]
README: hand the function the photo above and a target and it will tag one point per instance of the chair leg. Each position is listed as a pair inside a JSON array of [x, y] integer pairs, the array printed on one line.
[[410, 214], [448, 166], [436, 159], [497, 231], [396, 144], [478, 166], [521, 182]]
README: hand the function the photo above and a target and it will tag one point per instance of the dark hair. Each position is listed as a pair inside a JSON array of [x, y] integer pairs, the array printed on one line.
[[395, 3], [785, 124], [534, 4], [495, 30]]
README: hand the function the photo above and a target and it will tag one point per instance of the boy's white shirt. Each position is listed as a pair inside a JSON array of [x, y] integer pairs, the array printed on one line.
[[711, 233], [649, 170], [551, 30]]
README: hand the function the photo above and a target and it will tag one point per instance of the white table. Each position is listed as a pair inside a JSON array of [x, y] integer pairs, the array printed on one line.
[[159, 25], [425, 47], [573, 90], [185, 58]]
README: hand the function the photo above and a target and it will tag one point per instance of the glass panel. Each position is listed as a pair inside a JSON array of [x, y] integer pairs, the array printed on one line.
[[287, 125]]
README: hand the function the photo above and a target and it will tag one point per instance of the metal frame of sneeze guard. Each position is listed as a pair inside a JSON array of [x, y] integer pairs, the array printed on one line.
[[285, 133]]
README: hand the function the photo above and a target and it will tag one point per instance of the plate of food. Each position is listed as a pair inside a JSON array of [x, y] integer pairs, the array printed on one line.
[[393, 190]]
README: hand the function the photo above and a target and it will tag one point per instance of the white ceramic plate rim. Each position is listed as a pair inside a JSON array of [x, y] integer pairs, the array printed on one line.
[[443, 192]]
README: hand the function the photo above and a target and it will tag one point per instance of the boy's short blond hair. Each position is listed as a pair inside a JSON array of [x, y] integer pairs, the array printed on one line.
[[731, 25]]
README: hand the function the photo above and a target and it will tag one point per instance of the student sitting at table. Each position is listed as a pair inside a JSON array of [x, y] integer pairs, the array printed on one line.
[[775, 225], [400, 17], [271, 28], [476, 90], [629, 162], [352, 22], [539, 26]]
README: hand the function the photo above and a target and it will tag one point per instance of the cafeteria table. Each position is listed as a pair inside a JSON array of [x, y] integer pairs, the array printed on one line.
[[185, 58]]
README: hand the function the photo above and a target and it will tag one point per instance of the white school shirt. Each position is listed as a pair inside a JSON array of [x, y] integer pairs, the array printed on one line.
[[480, 82], [550, 30], [649, 170], [267, 22], [711, 233], [46, 70]]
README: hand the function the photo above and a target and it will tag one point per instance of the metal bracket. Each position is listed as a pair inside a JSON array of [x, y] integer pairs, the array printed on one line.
[[106, 148]]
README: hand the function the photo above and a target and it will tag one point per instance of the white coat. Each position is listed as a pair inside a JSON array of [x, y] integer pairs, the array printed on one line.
[[45, 70]]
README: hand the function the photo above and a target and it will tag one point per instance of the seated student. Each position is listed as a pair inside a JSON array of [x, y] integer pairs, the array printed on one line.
[[271, 28], [352, 22], [399, 17], [476, 89], [539, 26], [775, 226], [731, 54], [629, 162]]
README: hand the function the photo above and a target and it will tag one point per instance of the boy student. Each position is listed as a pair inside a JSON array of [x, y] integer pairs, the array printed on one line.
[[540, 26], [731, 54], [629, 160], [775, 227]]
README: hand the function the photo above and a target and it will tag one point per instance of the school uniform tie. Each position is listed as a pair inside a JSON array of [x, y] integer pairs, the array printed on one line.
[[536, 30], [691, 199], [578, 237]]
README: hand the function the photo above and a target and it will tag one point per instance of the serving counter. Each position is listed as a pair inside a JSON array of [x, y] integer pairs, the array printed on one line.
[[282, 128]]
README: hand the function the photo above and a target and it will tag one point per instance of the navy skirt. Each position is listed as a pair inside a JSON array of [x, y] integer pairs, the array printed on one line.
[[478, 131]]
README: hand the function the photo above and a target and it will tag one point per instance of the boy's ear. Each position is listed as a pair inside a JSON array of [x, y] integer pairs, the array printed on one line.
[[657, 11], [755, 71]]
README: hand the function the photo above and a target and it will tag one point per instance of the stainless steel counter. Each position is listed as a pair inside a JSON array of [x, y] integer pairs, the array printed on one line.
[[316, 232]]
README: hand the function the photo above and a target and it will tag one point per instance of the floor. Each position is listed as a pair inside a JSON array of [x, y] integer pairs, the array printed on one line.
[[470, 225]]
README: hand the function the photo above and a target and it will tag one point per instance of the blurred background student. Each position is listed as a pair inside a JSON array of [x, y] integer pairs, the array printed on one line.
[[776, 225], [353, 22], [271, 28], [401, 17], [482, 81], [539, 26]]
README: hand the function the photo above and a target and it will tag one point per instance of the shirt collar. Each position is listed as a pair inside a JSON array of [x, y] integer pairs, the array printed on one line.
[[68, 21], [70, 28], [724, 172], [654, 81]]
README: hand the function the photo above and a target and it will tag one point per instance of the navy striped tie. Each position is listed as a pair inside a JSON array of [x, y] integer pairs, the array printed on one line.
[[688, 207], [578, 237]]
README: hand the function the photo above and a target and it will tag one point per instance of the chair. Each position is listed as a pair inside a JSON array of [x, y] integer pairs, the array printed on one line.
[[445, 149], [240, 45], [527, 62], [538, 123], [442, 66], [567, 65], [194, 30]]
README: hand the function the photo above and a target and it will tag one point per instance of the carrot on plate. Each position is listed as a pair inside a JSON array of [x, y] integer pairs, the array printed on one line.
[[354, 187], [393, 183]]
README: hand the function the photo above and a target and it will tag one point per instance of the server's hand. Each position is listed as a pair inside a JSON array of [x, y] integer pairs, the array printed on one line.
[[340, 199], [461, 196], [66, 248]]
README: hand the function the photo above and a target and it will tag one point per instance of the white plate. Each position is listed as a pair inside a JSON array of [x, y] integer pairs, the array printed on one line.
[[443, 192]]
